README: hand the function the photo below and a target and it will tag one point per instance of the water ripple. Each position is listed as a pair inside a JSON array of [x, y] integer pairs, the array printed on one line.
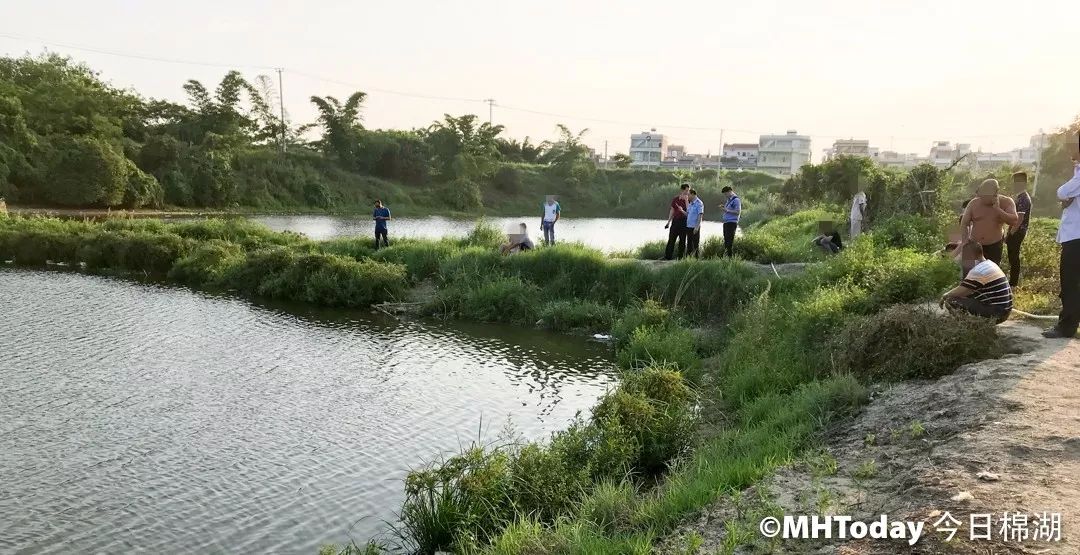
[[141, 417]]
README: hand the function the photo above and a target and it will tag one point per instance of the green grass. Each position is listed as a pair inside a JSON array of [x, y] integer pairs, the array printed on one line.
[[773, 361]]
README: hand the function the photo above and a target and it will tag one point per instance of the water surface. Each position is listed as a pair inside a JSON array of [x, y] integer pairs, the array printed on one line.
[[607, 234], [145, 418]]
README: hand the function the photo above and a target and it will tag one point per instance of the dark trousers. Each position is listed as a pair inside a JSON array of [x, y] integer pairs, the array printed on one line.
[[993, 251], [693, 239], [977, 308], [676, 233], [1014, 242], [381, 233], [1070, 288], [729, 238]]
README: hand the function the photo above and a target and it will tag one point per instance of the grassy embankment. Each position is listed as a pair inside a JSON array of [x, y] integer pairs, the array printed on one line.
[[726, 374]]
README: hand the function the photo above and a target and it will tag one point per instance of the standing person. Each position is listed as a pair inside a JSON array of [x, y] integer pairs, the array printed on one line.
[[552, 213], [732, 208], [985, 219], [676, 223], [381, 215], [858, 213], [1069, 237], [1014, 239], [695, 212]]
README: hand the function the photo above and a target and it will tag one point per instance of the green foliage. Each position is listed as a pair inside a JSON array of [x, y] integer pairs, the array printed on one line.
[[905, 342], [589, 316], [208, 264], [84, 171], [648, 315]]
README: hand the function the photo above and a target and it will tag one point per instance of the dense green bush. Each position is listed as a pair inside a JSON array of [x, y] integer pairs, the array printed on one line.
[[507, 299], [905, 342], [586, 315], [208, 264], [648, 315], [649, 346]]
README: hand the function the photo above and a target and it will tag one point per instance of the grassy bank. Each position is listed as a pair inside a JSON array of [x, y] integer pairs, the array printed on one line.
[[726, 374]]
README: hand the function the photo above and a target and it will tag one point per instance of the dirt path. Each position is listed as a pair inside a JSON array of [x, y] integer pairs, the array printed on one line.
[[918, 450]]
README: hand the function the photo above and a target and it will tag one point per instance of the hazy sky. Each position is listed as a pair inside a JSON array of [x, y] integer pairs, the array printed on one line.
[[901, 74]]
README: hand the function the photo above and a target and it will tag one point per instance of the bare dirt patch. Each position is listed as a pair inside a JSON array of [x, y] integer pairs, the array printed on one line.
[[996, 436]]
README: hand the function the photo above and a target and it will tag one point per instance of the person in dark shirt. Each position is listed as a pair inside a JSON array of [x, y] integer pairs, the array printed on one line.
[[1015, 237], [829, 242], [381, 215], [676, 223]]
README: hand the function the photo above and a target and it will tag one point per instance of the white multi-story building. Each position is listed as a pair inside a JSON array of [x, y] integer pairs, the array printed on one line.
[[943, 154], [783, 154], [850, 147], [647, 149], [890, 159], [1029, 155], [746, 153]]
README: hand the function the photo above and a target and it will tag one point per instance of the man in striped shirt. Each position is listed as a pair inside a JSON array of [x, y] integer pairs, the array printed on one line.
[[984, 291]]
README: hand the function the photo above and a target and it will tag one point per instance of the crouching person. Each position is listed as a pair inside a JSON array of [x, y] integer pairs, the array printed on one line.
[[984, 291], [517, 242]]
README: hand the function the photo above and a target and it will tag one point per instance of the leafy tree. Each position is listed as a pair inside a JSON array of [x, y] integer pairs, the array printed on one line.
[[460, 148], [622, 160], [85, 171], [569, 155], [341, 126], [524, 151]]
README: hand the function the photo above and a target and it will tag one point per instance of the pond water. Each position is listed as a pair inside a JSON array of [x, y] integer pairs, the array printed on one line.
[[607, 234], [140, 417]]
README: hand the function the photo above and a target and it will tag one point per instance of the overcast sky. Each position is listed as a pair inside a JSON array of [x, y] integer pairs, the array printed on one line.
[[902, 75]]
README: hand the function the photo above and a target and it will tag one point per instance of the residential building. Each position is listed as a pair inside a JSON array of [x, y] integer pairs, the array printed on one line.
[[647, 149], [746, 153], [944, 155], [849, 147], [783, 155], [890, 159], [1030, 155]]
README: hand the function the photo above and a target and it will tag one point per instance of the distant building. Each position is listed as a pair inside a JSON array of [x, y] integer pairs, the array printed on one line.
[[647, 149], [783, 155], [943, 154], [849, 147], [746, 153], [1030, 155], [890, 159]]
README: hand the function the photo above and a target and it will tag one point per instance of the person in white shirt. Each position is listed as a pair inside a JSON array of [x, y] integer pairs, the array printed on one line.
[[1069, 237], [552, 213], [858, 213]]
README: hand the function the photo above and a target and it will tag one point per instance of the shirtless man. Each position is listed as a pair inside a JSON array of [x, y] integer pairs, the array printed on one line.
[[985, 219]]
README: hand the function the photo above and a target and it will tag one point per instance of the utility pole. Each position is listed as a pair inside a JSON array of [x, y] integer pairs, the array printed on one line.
[[605, 154], [281, 104], [491, 107], [1038, 164], [720, 157]]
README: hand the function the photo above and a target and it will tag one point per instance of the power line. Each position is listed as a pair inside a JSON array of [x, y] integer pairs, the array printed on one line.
[[384, 91], [133, 56], [490, 102]]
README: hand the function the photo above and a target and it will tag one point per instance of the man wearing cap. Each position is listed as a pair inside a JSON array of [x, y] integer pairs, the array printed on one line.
[[985, 219], [1069, 237]]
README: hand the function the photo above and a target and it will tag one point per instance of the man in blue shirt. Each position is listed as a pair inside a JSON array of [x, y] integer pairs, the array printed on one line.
[[381, 215], [695, 211], [732, 208]]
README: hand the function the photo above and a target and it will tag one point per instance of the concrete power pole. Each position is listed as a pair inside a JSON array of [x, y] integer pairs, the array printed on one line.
[[281, 104], [605, 154], [1038, 164], [491, 108], [720, 157]]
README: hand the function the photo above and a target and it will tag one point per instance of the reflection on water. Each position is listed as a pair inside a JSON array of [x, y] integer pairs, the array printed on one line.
[[149, 418], [608, 234]]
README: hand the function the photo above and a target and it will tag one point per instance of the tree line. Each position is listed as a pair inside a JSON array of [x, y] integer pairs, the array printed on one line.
[[69, 138]]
